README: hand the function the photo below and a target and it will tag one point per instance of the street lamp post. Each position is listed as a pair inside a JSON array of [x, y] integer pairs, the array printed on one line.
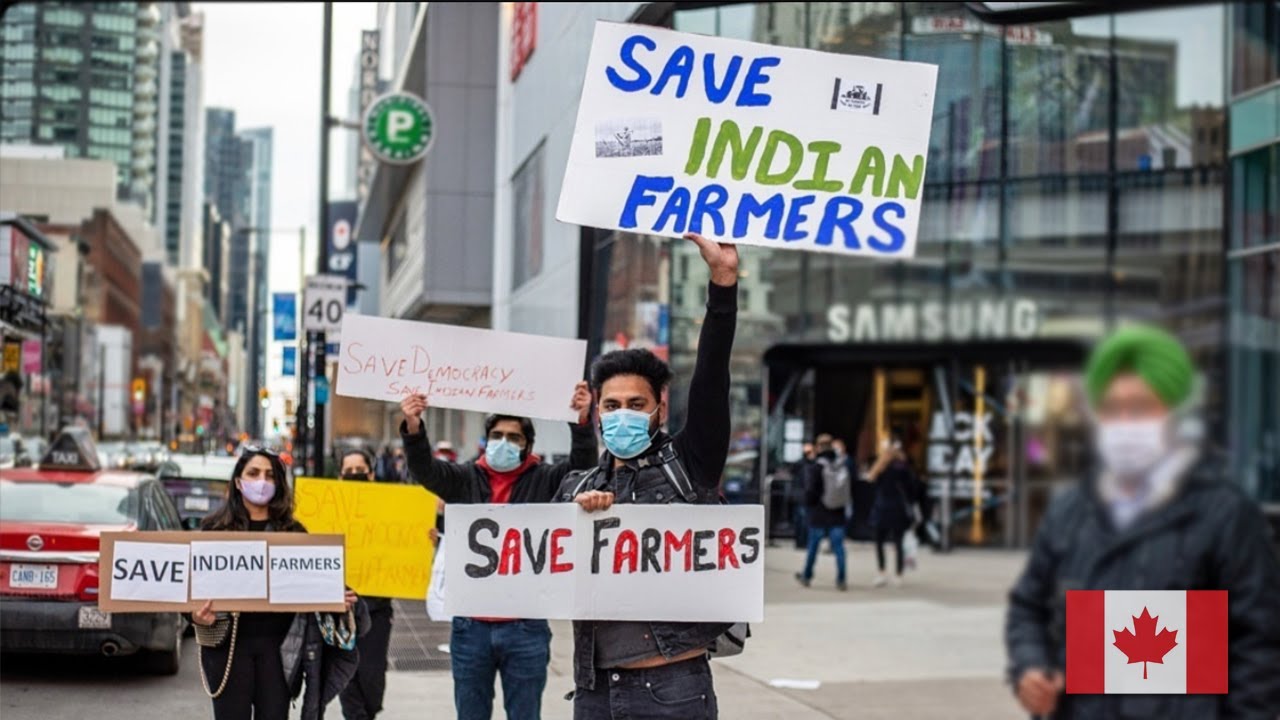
[[315, 414]]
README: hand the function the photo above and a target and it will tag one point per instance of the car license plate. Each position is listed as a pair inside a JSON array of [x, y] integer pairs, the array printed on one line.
[[33, 577], [91, 618], [200, 504]]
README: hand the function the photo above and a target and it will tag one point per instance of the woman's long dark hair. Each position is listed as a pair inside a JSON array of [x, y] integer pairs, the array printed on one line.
[[232, 515]]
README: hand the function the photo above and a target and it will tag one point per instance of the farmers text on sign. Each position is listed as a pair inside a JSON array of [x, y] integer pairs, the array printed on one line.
[[635, 562], [155, 571], [749, 143]]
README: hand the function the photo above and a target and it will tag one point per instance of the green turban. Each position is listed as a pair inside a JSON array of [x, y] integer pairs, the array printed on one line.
[[1153, 354]]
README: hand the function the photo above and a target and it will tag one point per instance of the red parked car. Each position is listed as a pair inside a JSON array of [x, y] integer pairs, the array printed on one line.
[[50, 520]]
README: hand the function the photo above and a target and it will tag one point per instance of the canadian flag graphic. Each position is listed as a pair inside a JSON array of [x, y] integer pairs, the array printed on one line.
[[1147, 642]]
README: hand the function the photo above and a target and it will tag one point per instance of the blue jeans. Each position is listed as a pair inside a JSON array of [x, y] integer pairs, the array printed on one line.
[[518, 650], [836, 536]]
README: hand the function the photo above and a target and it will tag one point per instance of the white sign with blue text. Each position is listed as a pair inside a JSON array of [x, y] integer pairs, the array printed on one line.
[[749, 143]]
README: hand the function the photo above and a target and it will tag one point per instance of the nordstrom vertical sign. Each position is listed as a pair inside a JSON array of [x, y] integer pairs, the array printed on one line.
[[369, 54]]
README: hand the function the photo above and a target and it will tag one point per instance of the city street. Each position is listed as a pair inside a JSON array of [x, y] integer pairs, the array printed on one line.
[[931, 649]]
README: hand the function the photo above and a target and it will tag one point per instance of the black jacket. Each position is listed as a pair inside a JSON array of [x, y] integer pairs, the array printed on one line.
[[467, 482], [1209, 536], [701, 447], [314, 669]]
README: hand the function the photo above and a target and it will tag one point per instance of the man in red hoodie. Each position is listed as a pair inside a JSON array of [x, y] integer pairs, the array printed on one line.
[[509, 472]]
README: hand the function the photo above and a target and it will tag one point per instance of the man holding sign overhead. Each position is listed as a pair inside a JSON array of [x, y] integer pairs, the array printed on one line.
[[509, 472], [657, 669]]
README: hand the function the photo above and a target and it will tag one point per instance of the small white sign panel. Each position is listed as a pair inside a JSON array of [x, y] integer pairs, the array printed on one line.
[[302, 574], [229, 570], [157, 572]]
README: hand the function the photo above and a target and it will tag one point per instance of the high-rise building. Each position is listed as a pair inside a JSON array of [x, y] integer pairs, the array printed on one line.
[[83, 76], [179, 192], [224, 166], [258, 176]]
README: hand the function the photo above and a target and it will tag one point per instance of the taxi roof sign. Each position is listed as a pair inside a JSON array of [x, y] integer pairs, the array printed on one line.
[[73, 449]]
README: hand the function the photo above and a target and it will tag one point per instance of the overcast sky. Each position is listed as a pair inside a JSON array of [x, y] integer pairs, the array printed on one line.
[[263, 61]]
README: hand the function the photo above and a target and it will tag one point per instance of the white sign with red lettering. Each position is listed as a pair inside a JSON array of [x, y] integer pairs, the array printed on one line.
[[676, 563], [460, 367]]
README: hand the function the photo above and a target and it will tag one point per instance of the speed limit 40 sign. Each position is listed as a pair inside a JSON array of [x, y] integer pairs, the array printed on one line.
[[323, 303]]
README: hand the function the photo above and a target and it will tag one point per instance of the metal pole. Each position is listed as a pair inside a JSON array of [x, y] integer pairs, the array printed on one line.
[[318, 370], [102, 388]]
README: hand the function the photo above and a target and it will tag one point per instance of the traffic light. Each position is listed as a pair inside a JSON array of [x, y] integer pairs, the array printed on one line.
[[139, 390], [264, 399]]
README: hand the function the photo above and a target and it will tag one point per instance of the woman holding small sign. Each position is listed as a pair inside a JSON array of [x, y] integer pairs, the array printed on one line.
[[252, 662]]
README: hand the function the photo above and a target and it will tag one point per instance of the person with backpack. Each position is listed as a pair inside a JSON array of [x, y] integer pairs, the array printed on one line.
[[828, 494], [656, 670]]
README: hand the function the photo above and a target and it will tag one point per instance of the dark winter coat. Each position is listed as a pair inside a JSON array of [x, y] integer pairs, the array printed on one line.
[[314, 669], [467, 482], [897, 494], [1209, 536]]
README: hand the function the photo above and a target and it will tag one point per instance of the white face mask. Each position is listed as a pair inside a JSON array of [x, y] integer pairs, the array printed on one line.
[[1132, 447]]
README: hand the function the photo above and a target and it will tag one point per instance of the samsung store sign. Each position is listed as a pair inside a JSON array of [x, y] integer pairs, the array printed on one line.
[[933, 321]]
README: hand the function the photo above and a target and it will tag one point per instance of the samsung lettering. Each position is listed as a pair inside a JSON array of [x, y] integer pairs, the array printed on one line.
[[749, 143]]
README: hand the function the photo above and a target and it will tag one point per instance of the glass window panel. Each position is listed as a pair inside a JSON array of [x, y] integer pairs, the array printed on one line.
[[66, 17], [527, 190], [1170, 70], [1059, 81], [964, 144]]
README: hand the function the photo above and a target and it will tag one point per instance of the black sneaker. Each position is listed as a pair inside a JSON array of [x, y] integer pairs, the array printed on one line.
[[842, 587], [800, 578]]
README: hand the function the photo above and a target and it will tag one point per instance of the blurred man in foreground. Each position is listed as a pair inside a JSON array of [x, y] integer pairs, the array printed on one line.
[[1156, 515]]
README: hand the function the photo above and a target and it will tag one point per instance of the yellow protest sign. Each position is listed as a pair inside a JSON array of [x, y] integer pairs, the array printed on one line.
[[389, 550]]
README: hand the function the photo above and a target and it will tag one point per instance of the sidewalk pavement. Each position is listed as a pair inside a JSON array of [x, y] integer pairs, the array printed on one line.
[[930, 649]]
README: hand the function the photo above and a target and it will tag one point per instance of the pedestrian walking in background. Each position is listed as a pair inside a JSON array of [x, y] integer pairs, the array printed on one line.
[[798, 492], [656, 670], [1155, 513], [894, 510], [518, 650], [828, 494], [253, 663], [362, 698]]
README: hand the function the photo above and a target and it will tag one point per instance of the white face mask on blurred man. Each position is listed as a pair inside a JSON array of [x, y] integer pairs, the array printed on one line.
[[1131, 448]]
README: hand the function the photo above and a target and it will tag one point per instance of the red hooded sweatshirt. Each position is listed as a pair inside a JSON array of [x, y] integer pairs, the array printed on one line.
[[500, 484]]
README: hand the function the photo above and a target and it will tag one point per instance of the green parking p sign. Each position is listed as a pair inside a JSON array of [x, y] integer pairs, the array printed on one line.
[[398, 128]]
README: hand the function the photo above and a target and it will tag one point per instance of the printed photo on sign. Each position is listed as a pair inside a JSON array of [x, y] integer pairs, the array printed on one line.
[[758, 144], [150, 571], [631, 137]]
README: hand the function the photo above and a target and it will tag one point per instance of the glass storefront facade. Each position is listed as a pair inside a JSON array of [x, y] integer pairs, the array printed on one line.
[[1078, 178]]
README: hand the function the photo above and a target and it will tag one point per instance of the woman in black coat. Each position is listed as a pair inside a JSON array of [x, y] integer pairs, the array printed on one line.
[[241, 661], [893, 512]]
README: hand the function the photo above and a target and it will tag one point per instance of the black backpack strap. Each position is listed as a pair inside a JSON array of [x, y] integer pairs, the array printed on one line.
[[668, 461], [586, 480]]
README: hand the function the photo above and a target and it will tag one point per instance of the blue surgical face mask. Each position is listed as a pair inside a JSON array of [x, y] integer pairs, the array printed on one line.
[[502, 455], [626, 432]]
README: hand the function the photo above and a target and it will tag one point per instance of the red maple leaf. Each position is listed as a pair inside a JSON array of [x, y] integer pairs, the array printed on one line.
[[1143, 644]]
